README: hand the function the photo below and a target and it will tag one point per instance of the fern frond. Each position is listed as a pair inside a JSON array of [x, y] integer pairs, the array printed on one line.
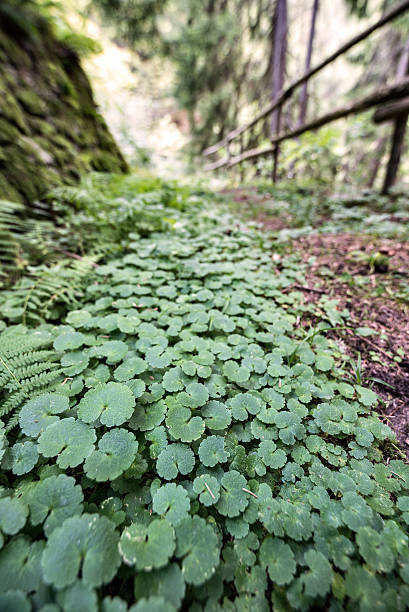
[[27, 367], [41, 295]]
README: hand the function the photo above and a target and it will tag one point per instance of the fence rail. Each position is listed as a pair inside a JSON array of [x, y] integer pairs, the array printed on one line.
[[385, 95]]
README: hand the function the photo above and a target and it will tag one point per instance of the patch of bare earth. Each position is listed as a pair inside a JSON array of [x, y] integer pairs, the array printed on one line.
[[367, 308]]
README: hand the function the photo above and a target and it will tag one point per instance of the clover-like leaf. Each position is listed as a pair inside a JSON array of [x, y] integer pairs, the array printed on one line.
[[40, 412], [197, 395], [374, 549], [356, 512], [232, 371], [198, 546], [289, 424], [173, 380], [182, 426], [211, 451], [148, 417], [130, 368], [172, 502], [14, 600], [137, 386], [13, 515], [113, 350], [270, 455], [78, 318], [20, 564], [167, 582], [244, 403], [361, 584], [70, 440], [233, 500], [86, 544], [328, 417], [69, 340], [53, 500], [94, 377], [24, 456], [367, 397], [147, 546], [279, 560], [112, 604], [78, 596], [216, 415], [209, 489], [173, 459], [74, 362], [111, 403], [324, 361], [159, 358], [158, 439], [318, 580], [152, 604], [116, 451]]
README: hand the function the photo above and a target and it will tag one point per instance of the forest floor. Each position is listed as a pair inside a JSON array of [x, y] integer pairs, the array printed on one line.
[[367, 273]]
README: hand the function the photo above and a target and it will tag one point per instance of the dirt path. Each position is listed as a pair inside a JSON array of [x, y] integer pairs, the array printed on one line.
[[365, 275], [385, 353]]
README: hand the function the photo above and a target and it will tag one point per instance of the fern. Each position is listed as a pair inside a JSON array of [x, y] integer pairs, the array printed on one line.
[[27, 367], [47, 291], [11, 230]]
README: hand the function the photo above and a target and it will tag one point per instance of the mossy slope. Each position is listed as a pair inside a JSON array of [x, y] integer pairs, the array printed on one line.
[[50, 128]]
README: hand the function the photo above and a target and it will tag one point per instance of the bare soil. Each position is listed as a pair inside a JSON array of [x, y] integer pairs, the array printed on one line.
[[383, 313], [342, 270]]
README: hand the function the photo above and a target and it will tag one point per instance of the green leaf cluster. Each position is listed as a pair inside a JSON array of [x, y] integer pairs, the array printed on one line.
[[206, 455]]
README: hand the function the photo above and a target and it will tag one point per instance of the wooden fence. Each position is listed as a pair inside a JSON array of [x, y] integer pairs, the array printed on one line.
[[392, 103]]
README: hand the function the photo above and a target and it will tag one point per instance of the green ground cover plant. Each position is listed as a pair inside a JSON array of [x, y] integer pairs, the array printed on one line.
[[200, 448], [313, 209]]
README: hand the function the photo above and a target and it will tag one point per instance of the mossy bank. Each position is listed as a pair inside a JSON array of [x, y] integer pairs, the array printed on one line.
[[50, 129]]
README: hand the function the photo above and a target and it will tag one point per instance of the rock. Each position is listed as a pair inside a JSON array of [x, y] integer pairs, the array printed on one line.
[[50, 129]]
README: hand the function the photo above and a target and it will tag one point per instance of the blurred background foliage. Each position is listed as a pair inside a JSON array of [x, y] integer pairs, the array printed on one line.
[[174, 76]]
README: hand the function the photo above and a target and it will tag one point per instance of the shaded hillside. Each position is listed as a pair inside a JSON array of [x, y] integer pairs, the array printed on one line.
[[50, 128]]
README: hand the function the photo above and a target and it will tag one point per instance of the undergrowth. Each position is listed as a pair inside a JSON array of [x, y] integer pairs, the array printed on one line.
[[305, 211], [202, 449]]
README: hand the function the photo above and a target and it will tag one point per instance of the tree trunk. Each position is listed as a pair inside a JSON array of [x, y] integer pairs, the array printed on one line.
[[304, 88], [280, 26]]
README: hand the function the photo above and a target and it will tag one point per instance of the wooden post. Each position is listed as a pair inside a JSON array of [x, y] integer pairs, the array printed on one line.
[[398, 139], [399, 129]]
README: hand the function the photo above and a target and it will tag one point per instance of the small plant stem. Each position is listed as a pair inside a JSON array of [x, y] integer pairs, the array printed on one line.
[[250, 492], [398, 475], [210, 491], [10, 372], [401, 453]]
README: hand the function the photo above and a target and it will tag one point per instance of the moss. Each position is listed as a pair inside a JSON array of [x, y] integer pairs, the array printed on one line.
[[7, 191], [10, 109], [8, 132], [43, 127], [64, 157], [32, 103], [36, 149], [61, 142], [103, 161], [50, 128]]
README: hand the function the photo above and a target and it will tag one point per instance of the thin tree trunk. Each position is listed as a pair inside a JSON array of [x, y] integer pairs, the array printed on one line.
[[280, 26], [304, 88]]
